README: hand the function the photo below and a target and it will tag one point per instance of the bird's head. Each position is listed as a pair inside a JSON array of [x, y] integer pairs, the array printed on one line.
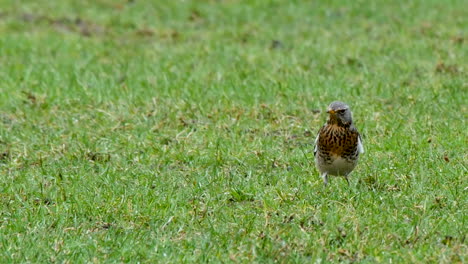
[[339, 114]]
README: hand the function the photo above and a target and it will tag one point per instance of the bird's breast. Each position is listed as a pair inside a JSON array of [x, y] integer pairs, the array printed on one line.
[[338, 141]]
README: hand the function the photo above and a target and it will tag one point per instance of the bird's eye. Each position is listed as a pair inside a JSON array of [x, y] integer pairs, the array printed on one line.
[[341, 111]]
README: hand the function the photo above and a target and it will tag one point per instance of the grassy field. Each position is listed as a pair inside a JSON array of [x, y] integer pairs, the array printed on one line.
[[182, 131]]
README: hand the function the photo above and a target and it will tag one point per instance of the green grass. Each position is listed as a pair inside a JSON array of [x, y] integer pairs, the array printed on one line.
[[183, 131]]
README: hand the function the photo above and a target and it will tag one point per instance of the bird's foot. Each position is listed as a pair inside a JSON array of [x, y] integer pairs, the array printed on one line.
[[325, 179]]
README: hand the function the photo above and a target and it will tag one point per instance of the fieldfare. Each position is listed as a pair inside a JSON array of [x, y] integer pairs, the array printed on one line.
[[338, 143]]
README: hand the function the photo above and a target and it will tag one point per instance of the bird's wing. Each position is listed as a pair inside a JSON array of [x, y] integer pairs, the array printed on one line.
[[360, 145], [317, 139], [315, 144]]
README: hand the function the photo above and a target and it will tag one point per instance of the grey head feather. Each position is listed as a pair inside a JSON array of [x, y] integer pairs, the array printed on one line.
[[341, 113]]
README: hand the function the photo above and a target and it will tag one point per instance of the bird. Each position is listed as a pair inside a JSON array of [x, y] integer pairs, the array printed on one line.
[[338, 143]]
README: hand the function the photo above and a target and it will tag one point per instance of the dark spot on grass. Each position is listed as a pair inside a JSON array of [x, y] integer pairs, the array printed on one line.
[[439, 202], [7, 120], [458, 40], [31, 98], [338, 239], [274, 164], [425, 28], [101, 226], [250, 131], [122, 79], [354, 62], [261, 235], [183, 122], [34, 100], [44, 201], [30, 18], [166, 141], [76, 25], [195, 16], [311, 223], [145, 32], [245, 37], [288, 219], [276, 44], [346, 255], [53, 225], [446, 68], [413, 237], [393, 188], [150, 113], [370, 180], [170, 35], [447, 240], [372, 183], [106, 225], [406, 82], [98, 157], [446, 158], [188, 122], [87, 29], [5, 155], [48, 201]]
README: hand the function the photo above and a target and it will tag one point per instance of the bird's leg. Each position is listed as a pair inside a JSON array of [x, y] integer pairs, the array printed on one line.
[[347, 180], [325, 178]]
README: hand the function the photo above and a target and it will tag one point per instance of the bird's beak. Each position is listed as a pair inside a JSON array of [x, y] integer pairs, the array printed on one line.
[[330, 111]]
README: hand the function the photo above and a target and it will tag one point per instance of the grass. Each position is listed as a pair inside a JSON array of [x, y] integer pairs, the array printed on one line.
[[183, 131]]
